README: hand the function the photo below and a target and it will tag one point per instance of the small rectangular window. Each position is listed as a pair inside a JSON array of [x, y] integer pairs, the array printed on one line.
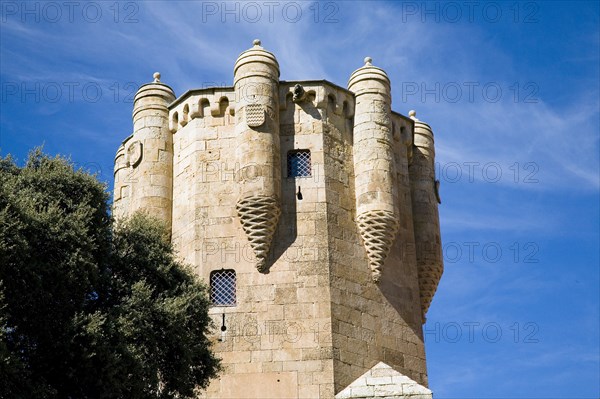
[[222, 288], [298, 163]]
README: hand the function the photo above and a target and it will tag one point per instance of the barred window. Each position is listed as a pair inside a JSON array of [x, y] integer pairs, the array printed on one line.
[[222, 287], [298, 163]]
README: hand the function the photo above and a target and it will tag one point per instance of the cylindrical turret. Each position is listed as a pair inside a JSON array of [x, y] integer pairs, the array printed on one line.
[[256, 84], [375, 176], [120, 207], [426, 220], [150, 152]]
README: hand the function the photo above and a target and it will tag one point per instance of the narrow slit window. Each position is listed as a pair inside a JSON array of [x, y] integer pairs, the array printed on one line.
[[298, 163], [222, 288]]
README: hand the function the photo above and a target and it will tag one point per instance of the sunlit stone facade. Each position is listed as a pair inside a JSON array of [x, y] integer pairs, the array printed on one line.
[[311, 209]]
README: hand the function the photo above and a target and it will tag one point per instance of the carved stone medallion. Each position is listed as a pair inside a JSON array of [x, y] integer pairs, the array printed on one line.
[[134, 154], [255, 115]]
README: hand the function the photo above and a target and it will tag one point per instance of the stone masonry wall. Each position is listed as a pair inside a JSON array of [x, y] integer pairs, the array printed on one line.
[[279, 332], [370, 323], [314, 321]]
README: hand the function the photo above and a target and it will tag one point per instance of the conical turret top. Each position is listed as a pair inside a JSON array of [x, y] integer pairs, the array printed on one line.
[[421, 128], [368, 72], [152, 95], [155, 83], [256, 61]]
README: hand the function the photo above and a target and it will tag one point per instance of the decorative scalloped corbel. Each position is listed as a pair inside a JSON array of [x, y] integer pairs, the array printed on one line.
[[259, 216], [378, 229]]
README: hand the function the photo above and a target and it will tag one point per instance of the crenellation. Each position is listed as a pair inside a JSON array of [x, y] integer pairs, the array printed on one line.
[[335, 268]]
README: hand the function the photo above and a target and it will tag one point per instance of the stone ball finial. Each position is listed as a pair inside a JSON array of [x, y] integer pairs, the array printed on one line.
[[413, 114], [156, 77], [255, 55], [368, 61]]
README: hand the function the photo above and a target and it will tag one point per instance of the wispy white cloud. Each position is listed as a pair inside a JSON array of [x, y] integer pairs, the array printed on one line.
[[564, 144], [558, 132]]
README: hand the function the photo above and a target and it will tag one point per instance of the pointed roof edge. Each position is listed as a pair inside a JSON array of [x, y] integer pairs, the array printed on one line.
[[385, 382]]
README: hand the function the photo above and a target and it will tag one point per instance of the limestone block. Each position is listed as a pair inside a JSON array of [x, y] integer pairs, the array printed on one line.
[[313, 319], [392, 385]]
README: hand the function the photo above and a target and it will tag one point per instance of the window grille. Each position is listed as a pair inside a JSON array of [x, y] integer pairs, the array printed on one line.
[[298, 163], [222, 287]]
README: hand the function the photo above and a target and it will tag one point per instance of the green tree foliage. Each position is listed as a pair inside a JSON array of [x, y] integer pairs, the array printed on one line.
[[90, 309]]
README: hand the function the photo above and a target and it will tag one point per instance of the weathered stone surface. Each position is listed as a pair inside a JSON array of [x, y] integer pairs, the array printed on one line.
[[312, 322], [392, 385]]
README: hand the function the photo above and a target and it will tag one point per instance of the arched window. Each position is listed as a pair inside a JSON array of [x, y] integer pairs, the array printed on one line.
[[222, 287]]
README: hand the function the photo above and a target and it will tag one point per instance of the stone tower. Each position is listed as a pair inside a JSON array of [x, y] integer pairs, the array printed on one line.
[[311, 211]]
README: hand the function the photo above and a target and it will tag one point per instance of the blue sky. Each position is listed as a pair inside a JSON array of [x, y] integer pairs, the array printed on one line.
[[511, 90]]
